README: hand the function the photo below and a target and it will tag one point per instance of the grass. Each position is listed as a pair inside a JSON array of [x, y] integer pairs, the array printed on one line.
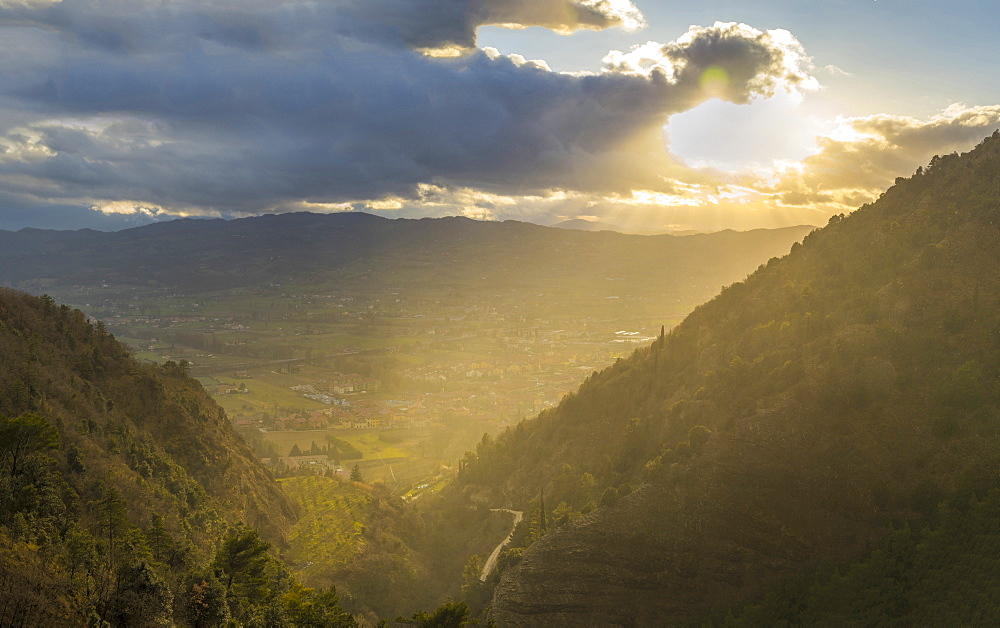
[[372, 447], [153, 356]]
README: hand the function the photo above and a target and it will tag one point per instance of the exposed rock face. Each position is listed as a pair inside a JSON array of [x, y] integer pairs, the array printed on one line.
[[671, 554]]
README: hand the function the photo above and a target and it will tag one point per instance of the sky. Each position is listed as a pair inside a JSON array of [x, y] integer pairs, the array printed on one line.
[[655, 116]]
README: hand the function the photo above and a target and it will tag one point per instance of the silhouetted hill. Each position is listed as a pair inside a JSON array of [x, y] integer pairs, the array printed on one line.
[[361, 250], [779, 431]]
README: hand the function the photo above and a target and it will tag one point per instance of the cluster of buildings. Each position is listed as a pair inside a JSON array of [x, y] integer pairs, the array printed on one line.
[[316, 420], [348, 384]]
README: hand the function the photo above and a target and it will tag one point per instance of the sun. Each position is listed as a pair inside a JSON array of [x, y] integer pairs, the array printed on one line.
[[729, 137]]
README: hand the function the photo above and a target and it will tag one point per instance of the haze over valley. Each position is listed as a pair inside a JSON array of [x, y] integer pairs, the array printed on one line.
[[439, 330]]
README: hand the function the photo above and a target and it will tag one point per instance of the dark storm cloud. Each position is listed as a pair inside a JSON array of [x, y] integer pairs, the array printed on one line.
[[246, 106], [134, 26]]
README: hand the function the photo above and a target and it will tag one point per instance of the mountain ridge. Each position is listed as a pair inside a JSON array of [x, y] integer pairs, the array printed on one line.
[[204, 255]]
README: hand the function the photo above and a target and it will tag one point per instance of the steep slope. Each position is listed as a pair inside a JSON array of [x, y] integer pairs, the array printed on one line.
[[781, 427], [361, 250], [117, 480]]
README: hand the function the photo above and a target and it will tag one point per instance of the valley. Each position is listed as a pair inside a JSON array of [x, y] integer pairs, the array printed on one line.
[[407, 359]]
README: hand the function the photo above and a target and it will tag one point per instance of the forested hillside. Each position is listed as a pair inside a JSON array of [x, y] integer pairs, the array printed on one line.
[[780, 431], [126, 496]]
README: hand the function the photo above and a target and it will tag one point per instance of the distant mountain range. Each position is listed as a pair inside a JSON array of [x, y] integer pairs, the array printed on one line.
[[366, 251]]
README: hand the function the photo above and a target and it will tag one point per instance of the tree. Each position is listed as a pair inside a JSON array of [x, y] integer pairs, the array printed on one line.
[[474, 591], [471, 573], [448, 615], [307, 607], [252, 578], [74, 458], [81, 549], [295, 451], [22, 436], [114, 521], [141, 598], [160, 542], [698, 436], [333, 451], [206, 603], [610, 496], [243, 558], [356, 474], [541, 510]]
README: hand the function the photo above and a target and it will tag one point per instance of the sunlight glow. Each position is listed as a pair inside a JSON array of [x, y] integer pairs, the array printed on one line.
[[324, 208], [131, 207], [446, 52], [728, 137], [845, 131], [385, 204], [648, 197]]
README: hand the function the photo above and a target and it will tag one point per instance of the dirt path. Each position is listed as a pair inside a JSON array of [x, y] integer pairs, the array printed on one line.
[[491, 562]]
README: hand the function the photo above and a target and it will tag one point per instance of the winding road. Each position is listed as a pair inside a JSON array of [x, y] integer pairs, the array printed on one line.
[[491, 562]]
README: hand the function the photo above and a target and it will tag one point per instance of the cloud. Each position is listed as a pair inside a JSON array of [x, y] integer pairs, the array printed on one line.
[[835, 71], [864, 155], [236, 107], [270, 25], [732, 61], [855, 162]]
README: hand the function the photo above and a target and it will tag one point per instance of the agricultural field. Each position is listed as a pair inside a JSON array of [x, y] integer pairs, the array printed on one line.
[[369, 442], [329, 533], [401, 464]]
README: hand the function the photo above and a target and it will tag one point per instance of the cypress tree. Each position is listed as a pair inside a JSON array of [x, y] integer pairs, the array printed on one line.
[[541, 509]]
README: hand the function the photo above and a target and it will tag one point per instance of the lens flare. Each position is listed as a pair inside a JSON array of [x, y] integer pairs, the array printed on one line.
[[714, 80]]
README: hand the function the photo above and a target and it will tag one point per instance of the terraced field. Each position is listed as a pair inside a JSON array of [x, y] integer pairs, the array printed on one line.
[[329, 533]]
